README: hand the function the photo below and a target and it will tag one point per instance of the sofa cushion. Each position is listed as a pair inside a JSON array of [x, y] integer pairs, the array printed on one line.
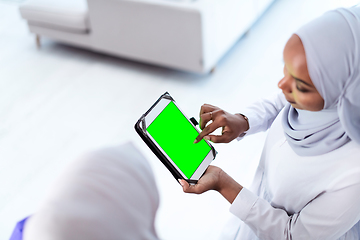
[[68, 15]]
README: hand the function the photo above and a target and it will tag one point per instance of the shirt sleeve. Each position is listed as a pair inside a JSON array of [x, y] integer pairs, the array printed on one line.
[[17, 234], [329, 216], [262, 113]]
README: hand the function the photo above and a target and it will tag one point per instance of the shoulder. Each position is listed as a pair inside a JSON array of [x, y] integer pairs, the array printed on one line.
[[347, 166]]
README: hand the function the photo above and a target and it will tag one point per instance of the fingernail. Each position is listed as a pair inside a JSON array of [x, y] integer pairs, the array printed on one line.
[[207, 138], [181, 183], [196, 141]]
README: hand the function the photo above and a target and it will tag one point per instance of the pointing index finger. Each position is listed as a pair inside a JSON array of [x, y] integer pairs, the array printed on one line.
[[207, 130]]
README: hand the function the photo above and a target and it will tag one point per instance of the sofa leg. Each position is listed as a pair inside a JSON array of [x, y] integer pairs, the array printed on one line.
[[38, 41]]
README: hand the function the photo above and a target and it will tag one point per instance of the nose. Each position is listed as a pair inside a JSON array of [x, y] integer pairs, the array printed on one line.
[[285, 84]]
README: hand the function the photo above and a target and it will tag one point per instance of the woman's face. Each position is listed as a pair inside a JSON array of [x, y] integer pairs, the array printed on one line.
[[296, 84]]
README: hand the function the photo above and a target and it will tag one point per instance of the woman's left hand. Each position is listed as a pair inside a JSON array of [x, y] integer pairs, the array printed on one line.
[[209, 181], [214, 179]]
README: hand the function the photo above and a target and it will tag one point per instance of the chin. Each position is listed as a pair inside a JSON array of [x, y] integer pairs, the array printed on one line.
[[294, 105]]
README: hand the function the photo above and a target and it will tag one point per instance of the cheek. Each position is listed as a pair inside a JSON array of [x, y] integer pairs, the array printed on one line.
[[310, 102], [319, 103]]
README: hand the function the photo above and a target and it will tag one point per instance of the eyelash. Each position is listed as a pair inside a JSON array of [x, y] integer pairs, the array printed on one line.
[[301, 89]]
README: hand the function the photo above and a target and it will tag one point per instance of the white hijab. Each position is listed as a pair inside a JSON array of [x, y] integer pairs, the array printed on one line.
[[108, 195], [332, 48]]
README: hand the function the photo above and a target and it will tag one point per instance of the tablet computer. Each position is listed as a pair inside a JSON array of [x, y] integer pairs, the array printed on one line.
[[170, 135]]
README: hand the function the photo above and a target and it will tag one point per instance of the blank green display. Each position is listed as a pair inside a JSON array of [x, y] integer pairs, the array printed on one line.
[[175, 135]]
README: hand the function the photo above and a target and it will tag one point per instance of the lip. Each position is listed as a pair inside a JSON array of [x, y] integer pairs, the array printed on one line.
[[291, 102], [287, 99]]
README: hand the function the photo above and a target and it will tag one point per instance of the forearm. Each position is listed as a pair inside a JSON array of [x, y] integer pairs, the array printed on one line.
[[228, 187], [321, 218], [261, 114]]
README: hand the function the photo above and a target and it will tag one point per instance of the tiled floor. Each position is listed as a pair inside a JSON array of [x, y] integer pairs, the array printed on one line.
[[58, 102]]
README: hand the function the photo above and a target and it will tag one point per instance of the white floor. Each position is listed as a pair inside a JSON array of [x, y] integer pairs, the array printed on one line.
[[58, 102]]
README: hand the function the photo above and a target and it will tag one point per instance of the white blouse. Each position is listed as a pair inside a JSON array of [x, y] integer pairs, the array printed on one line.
[[293, 197]]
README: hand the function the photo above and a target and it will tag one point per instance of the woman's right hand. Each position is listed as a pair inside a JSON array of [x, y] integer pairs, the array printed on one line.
[[232, 124]]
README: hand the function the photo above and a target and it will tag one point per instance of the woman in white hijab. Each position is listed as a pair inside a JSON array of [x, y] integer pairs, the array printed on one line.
[[307, 185], [109, 195]]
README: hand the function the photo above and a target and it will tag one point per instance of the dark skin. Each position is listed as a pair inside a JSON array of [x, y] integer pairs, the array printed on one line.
[[298, 90], [232, 124]]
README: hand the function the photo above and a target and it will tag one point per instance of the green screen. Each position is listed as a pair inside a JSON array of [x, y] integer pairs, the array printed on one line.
[[175, 135]]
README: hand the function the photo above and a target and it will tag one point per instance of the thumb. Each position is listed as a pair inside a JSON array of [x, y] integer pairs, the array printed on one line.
[[218, 138], [187, 188], [184, 184]]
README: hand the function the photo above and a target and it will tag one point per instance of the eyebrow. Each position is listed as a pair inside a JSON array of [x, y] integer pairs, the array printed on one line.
[[302, 81]]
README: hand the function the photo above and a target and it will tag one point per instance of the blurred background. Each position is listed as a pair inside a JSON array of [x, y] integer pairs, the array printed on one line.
[[60, 101]]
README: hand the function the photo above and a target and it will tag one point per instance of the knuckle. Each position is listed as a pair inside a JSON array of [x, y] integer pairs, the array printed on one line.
[[222, 119], [207, 105], [202, 109], [204, 117]]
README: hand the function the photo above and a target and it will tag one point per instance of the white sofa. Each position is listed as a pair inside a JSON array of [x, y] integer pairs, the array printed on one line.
[[180, 34]]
